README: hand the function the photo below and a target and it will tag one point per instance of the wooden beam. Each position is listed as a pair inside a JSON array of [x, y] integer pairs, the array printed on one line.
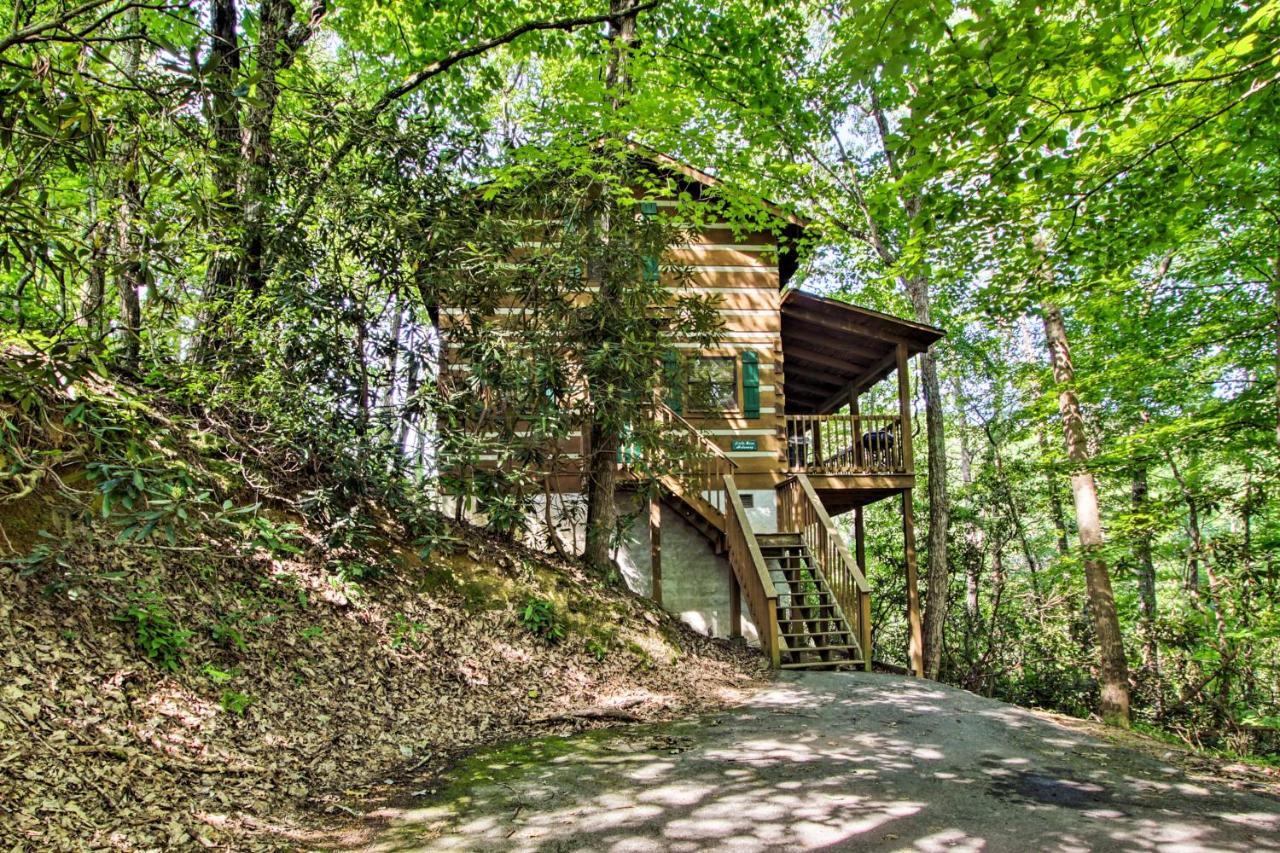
[[800, 355], [861, 383], [915, 647], [922, 333], [735, 607], [813, 380], [864, 603], [816, 338], [655, 546], [904, 406]]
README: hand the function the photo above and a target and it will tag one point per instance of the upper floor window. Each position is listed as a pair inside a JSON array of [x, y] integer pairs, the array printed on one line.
[[713, 384]]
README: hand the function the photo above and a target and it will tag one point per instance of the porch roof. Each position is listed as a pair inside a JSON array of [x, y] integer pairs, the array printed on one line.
[[831, 349]]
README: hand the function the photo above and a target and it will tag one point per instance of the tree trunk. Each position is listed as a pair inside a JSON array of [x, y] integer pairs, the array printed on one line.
[[95, 282], [602, 472], [385, 408], [602, 513], [224, 120], [962, 433], [1114, 670], [127, 257], [1196, 555], [1275, 304], [937, 582], [1056, 511], [129, 274], [1146, 578], [1015, 516], [274, 17], [279, 40], [243, 158], [975, 538]]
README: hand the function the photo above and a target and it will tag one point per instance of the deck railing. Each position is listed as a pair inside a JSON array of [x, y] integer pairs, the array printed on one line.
[[800, 511], [752, 574], [845, 444]]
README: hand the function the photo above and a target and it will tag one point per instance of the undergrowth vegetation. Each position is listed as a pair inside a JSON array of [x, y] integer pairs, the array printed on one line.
[[251, 631]]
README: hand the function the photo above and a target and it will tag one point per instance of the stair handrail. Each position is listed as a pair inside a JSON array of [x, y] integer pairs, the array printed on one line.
[[695, 475], [751, 572], [801, 509], [707, 444]]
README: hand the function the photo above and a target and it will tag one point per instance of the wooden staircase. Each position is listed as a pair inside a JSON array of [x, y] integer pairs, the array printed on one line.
[[800, 586], [812, 628]]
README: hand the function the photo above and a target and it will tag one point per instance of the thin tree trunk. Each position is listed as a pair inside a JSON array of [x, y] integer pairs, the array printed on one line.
[[1196, 556], [279, 40], [1139, 494], [95, 283], [1015, 516], [962, 432], [129, 267], [224, 120], [1058, 515], [385, 406], [1114, 669], [602, 514], [937, 582], [975, 538], [1275, 304]]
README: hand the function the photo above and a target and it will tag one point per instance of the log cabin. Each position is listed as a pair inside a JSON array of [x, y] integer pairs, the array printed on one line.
[[741, 542]]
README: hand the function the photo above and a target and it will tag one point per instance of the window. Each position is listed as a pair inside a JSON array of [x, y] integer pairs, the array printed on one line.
[[713, 384]]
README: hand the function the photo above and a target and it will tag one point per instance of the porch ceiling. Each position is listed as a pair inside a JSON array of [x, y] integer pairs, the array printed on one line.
[[830, 348]]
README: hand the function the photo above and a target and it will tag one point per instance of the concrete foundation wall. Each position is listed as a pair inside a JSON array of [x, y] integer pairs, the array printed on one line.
[[695, 580]]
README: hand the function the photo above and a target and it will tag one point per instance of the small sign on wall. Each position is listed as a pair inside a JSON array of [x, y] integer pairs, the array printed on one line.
[[743, 444]]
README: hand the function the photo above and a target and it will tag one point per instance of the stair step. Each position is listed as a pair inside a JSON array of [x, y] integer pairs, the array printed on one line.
[[841, 648], [840, 632], [779, 540], [820, 664]]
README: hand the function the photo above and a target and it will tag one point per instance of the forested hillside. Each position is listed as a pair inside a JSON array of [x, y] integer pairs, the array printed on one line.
[[227, 231]]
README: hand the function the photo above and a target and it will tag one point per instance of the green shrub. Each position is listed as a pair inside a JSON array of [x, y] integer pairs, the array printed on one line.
[[226, 633], [597, 649], [405, 632], [235, 702], [155, 630], [539, 617]]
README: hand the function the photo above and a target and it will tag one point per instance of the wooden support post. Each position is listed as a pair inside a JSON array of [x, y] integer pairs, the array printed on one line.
[[735, 607], [855, 413], [904, 408], [864, 600], [916, 637], [655, 546]]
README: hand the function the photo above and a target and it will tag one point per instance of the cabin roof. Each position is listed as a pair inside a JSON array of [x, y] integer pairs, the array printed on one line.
[[832, 348], [697, 175]]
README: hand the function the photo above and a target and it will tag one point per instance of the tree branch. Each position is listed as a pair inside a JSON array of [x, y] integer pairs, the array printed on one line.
[[433, 70], [30, 33]]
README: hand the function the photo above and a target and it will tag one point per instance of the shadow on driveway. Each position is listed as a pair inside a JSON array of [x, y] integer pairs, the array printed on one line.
[[833, 761]]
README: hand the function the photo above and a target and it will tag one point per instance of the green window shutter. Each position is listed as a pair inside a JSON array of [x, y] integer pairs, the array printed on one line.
[[650, 268], [628, 453], [649, 208], [750, 385], [671, 374]]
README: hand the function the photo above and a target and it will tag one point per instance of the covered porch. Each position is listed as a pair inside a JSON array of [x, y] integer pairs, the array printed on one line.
[[834, 353]]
